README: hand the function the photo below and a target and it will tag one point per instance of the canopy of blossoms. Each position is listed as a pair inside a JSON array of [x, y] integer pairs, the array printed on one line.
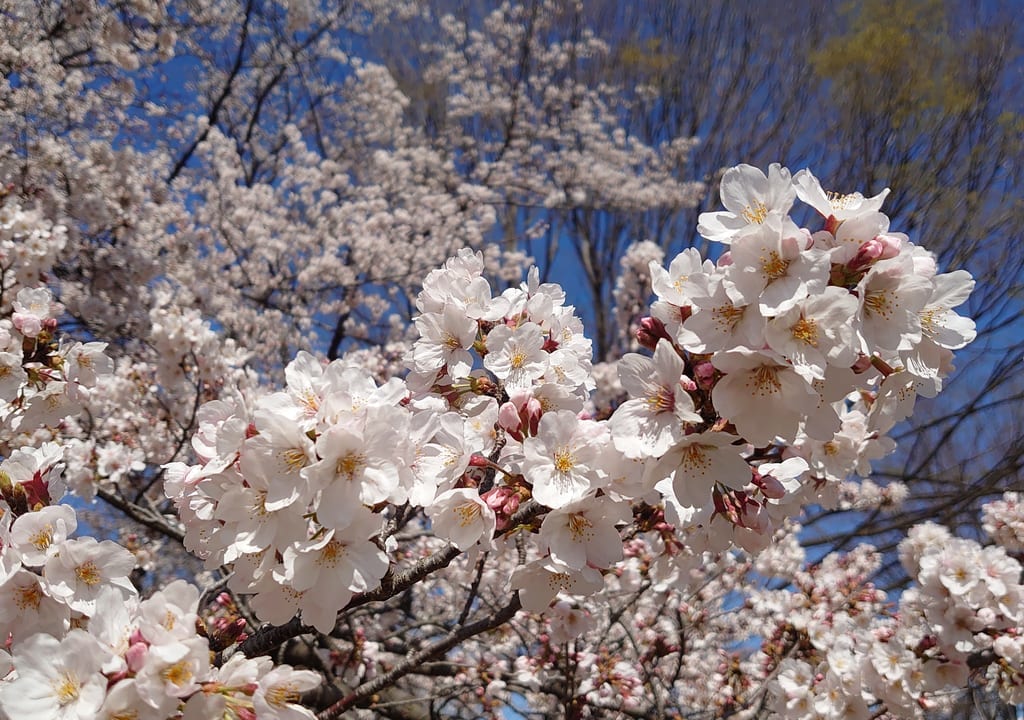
[[772, 375]]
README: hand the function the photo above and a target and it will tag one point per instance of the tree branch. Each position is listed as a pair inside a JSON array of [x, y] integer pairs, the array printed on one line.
[[433, 650]]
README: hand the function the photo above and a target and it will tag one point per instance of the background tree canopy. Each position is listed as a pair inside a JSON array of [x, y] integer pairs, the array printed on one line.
[[214, 187]]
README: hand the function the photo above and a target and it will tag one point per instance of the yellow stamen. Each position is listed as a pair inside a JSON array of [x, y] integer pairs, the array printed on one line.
[[294, 459], [280, 695], [773, 265], [468, 513], [756, 213], [805, 331], [88, 573], [727, 316], [349, 465], [42, 538], [840, 202], [765, 381], [28, 596], [179, 674], [517, 360], [879, 303], [331, 553], [580, 526], [66, 688], [695, 459], [564, 461]]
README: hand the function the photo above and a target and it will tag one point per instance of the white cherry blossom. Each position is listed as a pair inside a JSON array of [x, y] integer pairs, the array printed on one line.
[[762, 395], [750, 197], [655, 416]]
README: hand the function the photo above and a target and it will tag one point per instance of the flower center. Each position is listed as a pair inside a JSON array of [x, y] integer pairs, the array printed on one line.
[[756, 213], [179, 674], [28, 596], [331, 553], [280, 695], [773, 265], [661, 400], [879, 303], [805, 331], [294, 459], [579, 526], [349, 465], [66, 688], [564, 461], [42, 538], [88, 573], [468, 513], [727, 316], [765, 381], [517, 359], [840, 202], [694, 458]]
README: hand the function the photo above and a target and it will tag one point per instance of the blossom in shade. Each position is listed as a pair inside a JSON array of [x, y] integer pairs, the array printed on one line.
[[583, 533], [279, 692], [698, 461], [540, 581]]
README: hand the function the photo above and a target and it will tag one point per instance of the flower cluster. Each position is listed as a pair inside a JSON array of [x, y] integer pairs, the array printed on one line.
[[29, 243], [775, 374], [85, 646], [82, 643], [794, 344], [847, 655]]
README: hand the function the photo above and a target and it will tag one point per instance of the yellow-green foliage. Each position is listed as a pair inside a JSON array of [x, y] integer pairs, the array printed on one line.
[[900, 59]]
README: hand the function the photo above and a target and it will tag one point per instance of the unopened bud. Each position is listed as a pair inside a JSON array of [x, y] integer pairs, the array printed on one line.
[[704, 373], [861, 364], [478, 461], [135, 656], [650, 332], [504, 501], [880, 247], [771, 487]]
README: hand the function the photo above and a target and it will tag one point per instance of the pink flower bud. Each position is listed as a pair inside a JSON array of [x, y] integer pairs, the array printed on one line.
[[509, 421], [861, 364], [770, 486], [651, 330], [478, 461], [880, 247], [504, 501], [531, 414], [135, 656], [704, 373]]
